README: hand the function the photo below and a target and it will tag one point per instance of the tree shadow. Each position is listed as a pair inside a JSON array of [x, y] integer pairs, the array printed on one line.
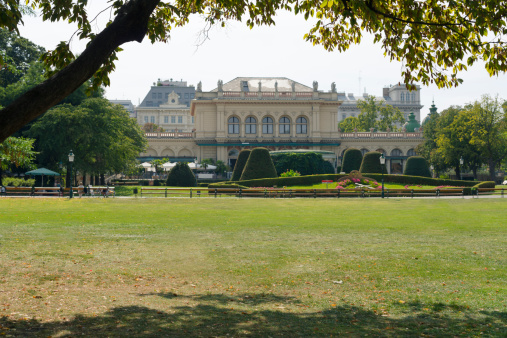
[[208, 318]]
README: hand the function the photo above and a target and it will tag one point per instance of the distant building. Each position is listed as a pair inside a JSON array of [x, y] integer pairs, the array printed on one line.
[[127, 104], [397, 96], [159, 93], [275, 113]]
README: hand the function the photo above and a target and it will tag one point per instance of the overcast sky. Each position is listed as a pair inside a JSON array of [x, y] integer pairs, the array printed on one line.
[[276, 51]]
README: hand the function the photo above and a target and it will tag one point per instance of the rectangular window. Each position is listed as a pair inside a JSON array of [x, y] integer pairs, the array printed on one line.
[[344, 116], [301, 129], [149, 103], [186, 95], [192, 119], [166, 119], [152, 119], [160, 96], [284, 128], [153, 95], [180, 119], [233, 128], [173, 119], [267, 129], [146, 119]]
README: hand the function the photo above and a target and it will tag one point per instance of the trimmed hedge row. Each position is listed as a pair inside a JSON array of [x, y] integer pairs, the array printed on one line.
[[417, 166], [314, 179], [240, 164], [371, 163]]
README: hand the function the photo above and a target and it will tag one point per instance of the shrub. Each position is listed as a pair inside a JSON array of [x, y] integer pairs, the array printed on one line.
[[290, 173], [371, 163], [306, 163], [17, 182], [417, 166], [352, 159], [259, 165], [181, 176], [240, 164]]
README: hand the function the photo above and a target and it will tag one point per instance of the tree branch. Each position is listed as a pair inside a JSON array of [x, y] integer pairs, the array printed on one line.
[[130, 24]]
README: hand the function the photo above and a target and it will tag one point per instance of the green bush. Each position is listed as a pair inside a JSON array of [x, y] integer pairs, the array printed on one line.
[[417, 166], [371, 163], [17, 182], [240, 164], [352, 159], [290, 173], [259, 165], [307, 163], [181, 176]]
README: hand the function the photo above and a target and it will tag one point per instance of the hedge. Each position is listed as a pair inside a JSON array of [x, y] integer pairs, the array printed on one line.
[[259, 165], [314, 179], [371, 163], [417, 166], [352, 159], [240, 164], [307, 163], [181, 176]]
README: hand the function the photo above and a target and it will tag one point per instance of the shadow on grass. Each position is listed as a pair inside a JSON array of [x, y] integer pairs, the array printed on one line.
[[215, 315]]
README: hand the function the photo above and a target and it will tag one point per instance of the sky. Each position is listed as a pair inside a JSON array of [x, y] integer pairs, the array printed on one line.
[[274, 51]]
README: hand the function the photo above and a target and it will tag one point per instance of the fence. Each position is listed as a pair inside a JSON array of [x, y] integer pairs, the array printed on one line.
[[56, 192], [311, 193]]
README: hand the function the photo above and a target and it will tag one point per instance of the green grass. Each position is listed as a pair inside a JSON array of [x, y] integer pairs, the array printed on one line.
[[259, 267]]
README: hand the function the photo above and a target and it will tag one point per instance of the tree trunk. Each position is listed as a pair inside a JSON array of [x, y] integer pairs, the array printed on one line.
[[84, 179], [474, 170], [492, 165], [102, 179], [131, 24], [457, 170]]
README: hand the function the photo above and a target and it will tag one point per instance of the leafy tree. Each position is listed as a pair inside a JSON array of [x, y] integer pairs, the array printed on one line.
[[206, 162], [489, 131], [350, 124], [152, 128], [102, 136], [378, 115], [16, 151], [158, 164], [18, 54], [435, 39], [221, 167]]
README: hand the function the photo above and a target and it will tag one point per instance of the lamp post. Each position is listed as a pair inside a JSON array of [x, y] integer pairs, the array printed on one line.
[[460, 168], [382, 163], [71, 160]]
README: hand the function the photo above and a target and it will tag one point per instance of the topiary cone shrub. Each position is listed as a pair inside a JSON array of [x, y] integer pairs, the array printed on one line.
[[181, 176], [259, 165], [371, 163], [240, 164], [417, 166], [352, 159]]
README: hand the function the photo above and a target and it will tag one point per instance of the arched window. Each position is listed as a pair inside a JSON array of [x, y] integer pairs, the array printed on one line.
[[233, 125], [267, 125], [407, 97], [284, 125], [251, 125], [364, 151], [402, 97], [301, 125], [413, 97], [396, 152], [411, 152]]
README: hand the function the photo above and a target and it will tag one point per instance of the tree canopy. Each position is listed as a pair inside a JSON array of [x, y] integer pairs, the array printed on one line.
[[435, 39], [102, 136]]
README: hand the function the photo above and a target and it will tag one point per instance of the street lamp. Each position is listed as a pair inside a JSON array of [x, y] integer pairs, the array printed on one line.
[[71, 160], [460, 168], [382, 163]]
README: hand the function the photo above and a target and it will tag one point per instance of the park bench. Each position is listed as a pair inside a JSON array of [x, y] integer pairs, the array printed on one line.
[[18, 191]]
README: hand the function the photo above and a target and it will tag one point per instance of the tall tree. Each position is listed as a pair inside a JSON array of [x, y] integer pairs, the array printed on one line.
[[350, 124], [101, 135], [489, 131], [379, 115], [435, 39]]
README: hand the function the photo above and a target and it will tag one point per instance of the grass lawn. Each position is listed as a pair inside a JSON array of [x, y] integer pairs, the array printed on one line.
[[257, 267]]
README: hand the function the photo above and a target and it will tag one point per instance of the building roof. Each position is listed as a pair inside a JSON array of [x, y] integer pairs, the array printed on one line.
[[251, 84]]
